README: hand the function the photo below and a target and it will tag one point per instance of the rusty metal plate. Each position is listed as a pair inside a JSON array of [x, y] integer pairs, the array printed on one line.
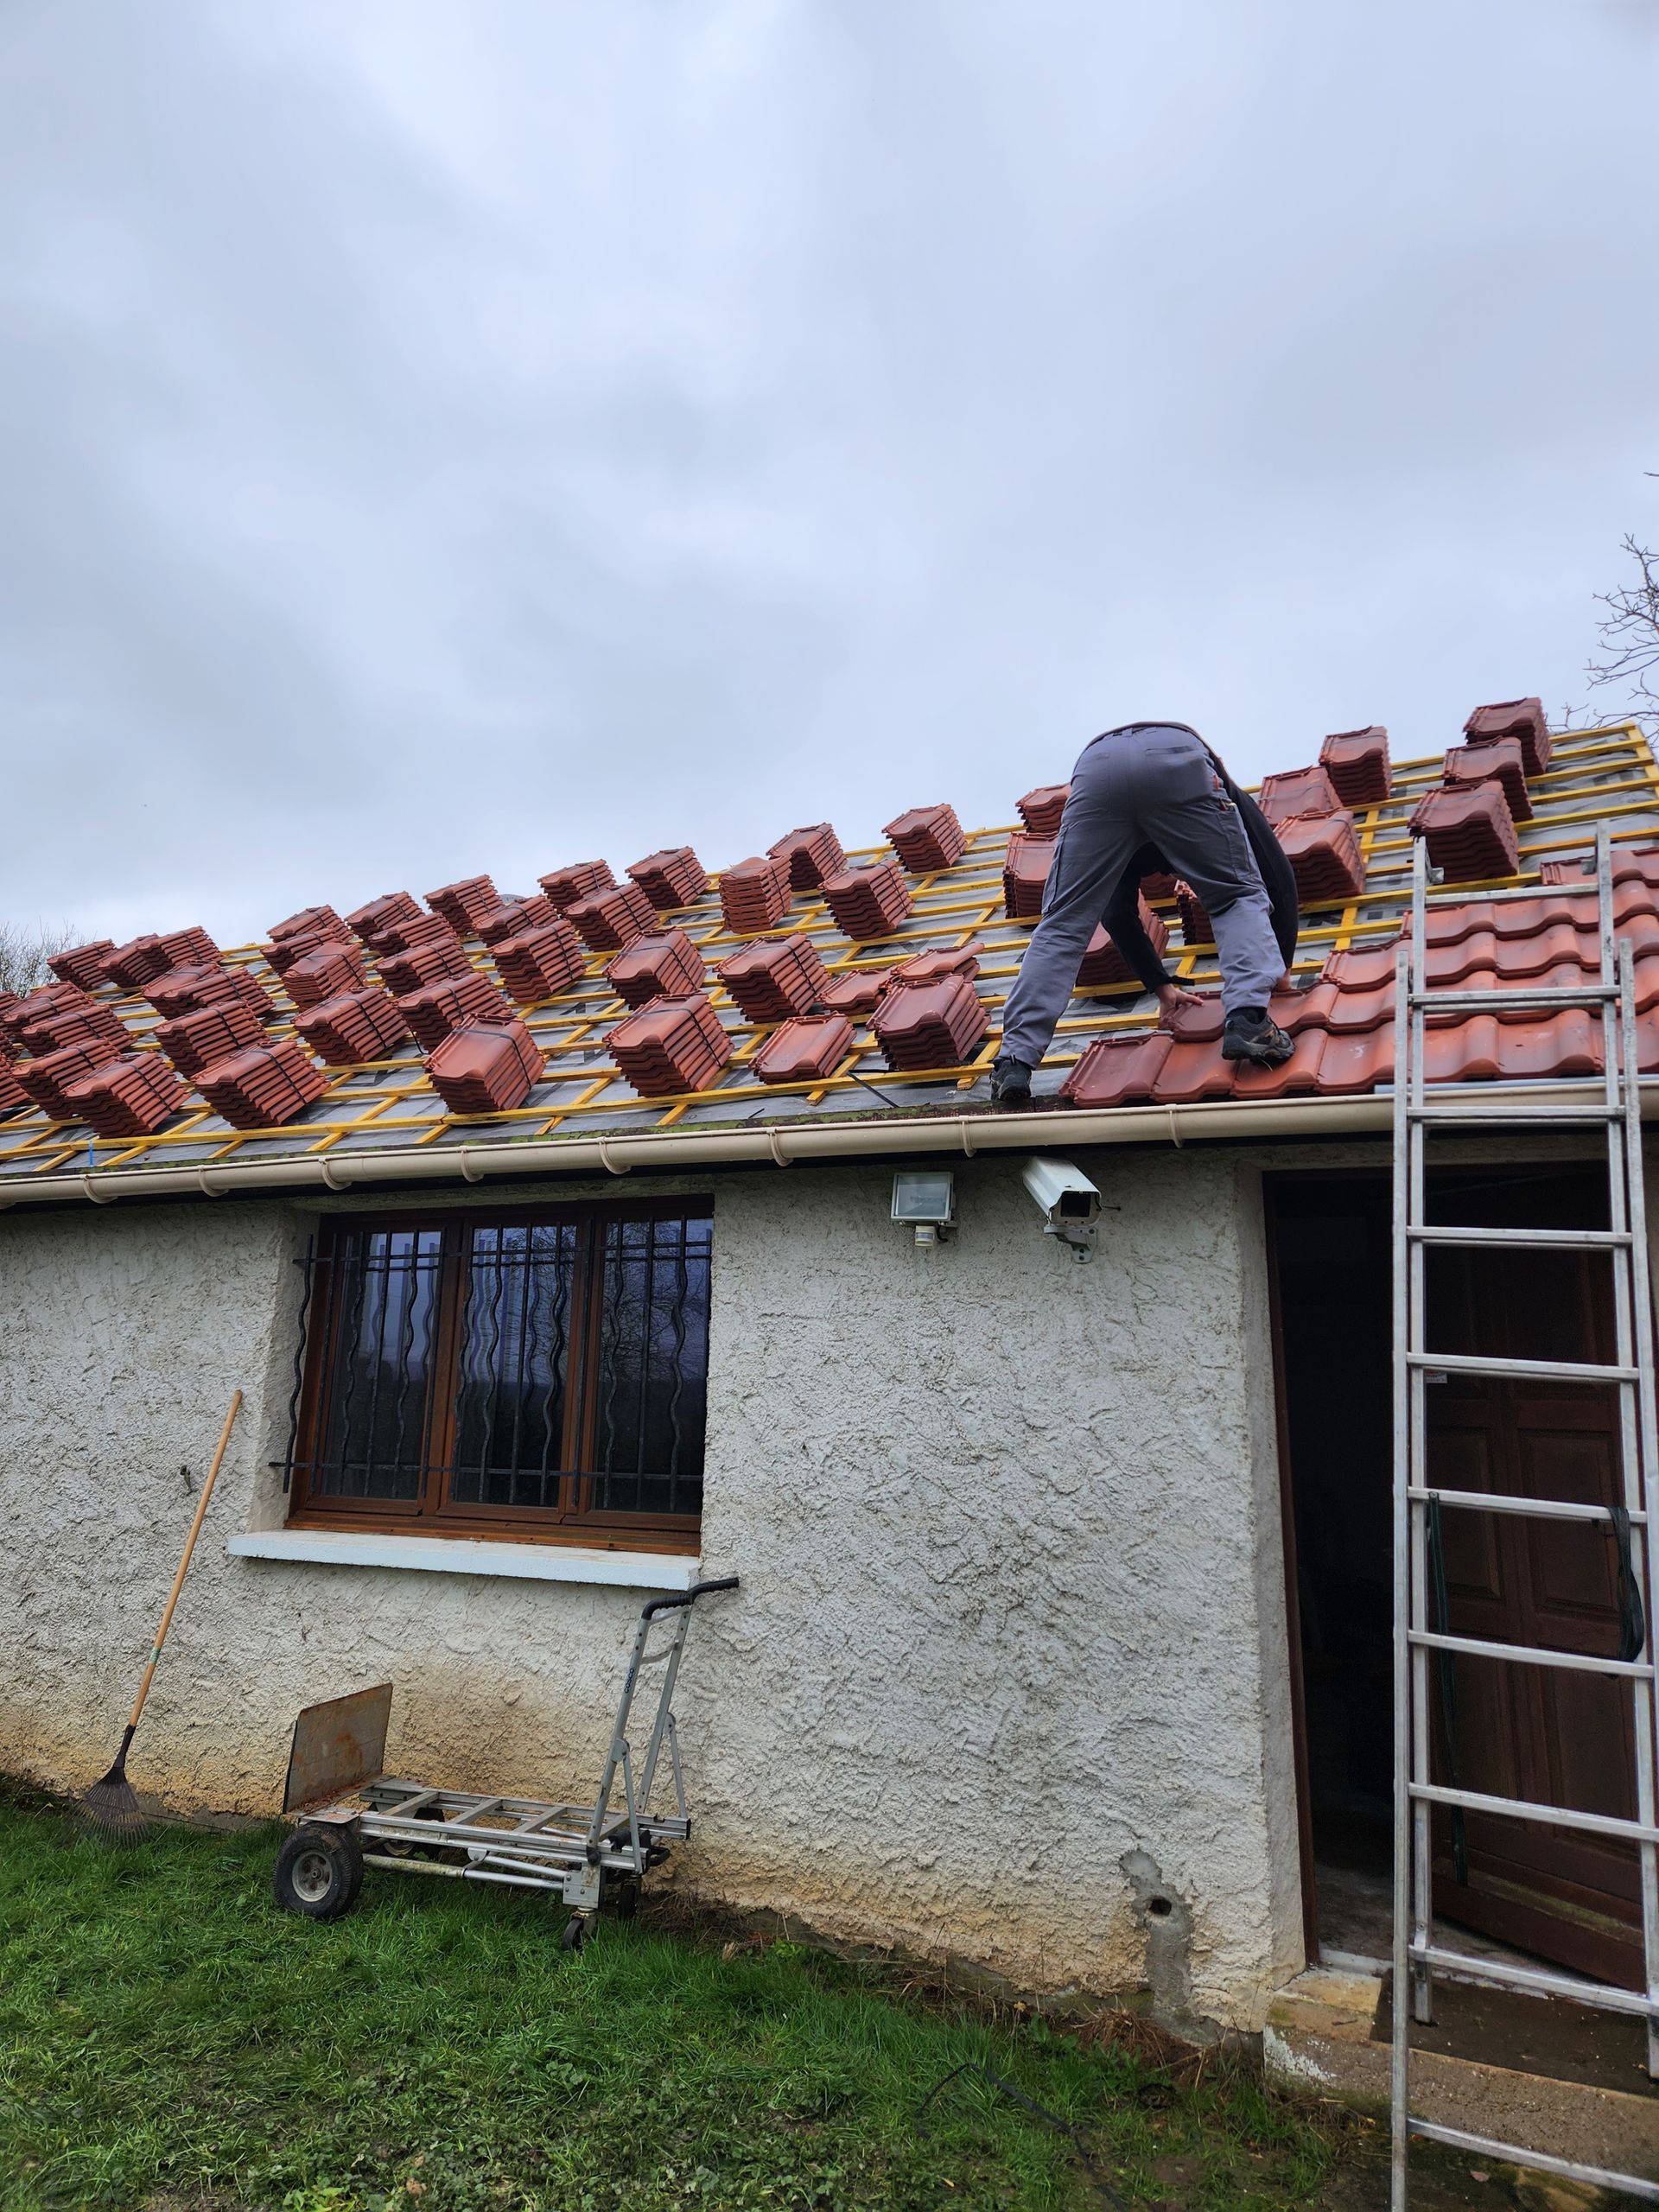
[[338, 1747]]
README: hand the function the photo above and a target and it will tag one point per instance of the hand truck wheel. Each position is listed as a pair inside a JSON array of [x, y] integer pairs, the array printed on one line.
[[318, 1873], [574, 1933]]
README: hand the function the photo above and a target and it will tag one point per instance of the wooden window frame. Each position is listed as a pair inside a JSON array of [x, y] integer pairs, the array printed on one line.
[[432, 1512]]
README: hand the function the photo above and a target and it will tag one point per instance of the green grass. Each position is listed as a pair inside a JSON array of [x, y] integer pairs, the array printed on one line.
[[169, 2039]]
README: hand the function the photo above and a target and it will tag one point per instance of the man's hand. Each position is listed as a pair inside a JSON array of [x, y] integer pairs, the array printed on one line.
[[1172, 998]]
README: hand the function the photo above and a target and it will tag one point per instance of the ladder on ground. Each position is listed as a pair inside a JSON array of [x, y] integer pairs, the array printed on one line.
[[1610, 1108]]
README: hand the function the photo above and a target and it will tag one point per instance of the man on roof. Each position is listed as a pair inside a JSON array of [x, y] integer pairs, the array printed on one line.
[[1151, 798]]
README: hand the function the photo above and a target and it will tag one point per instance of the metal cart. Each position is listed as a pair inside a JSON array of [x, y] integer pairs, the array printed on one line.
[[351, 1816]]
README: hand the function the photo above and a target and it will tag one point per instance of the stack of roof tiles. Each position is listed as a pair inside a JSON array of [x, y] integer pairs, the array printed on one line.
[[181, 990], [754, 895], [13, 1097], [324, 973], [128, 1097], [357, 1026], [82, 963], [539, 962], [1040, 811], [657, 967], [402, 972], [1469, 831], [438, 1009], [369, 924], [1196, 928], [609, 921], [47, 1079], [1025, 875], [1297, 791], [1518, 718], [564, 885], [486, 1068], [1356, 761], [195, 1041], [1497, 761], [462, 904], [19, 1014], [927, 838], [133, 965], [674, 877], [931, 1024], [669, 1046], [515, 917], [1104, 965], [408, 932], [262, 1085], [93, 1022], [869, 902], [1324, 853], [775, 978], [811, 855], [804, 1050], [310, 921]]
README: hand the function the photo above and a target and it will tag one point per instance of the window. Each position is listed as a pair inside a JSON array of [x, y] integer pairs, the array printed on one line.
[[539, 1374]]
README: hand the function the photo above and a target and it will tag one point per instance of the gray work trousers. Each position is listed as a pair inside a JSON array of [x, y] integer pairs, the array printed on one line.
[[1152, 785]]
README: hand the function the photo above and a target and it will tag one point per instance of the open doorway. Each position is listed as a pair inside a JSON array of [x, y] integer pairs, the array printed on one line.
[[1500, 1727]]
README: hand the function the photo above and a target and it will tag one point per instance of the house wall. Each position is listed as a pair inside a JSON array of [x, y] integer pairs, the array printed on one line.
[[1005, 1680]]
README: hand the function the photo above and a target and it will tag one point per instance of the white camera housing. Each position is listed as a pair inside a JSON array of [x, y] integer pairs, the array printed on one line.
[[1067, 1201]]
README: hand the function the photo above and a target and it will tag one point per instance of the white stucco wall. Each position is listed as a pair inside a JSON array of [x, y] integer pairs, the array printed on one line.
[[1007, 1665]]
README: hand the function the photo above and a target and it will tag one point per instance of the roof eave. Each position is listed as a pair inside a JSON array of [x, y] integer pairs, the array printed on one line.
[[680, 1151]]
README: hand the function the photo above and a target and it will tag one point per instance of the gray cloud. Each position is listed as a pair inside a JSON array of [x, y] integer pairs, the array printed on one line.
[[444, 438]]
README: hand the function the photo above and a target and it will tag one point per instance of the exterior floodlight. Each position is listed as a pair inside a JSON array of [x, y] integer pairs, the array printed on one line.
[[1068, 1202], [925, 1198]]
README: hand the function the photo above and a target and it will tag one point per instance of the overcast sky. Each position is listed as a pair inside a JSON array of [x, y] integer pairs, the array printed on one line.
[[457, 435]]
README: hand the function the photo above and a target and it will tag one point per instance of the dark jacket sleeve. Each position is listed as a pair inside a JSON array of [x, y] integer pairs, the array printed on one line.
[[1276, 872], [1122, 921]]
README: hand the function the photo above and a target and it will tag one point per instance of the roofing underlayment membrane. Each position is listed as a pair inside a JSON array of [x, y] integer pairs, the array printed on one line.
[[808, 982]]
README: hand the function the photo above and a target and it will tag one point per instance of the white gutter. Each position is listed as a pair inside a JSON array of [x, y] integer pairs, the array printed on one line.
[[683, 1150]]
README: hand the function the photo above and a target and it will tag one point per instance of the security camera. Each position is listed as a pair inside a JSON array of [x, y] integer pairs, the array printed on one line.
[[1068, 1202]]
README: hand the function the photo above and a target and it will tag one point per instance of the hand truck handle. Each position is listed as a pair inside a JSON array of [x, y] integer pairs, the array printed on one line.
[[688, 1597]]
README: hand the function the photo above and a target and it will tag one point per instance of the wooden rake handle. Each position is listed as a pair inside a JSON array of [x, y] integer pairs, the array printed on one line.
[[189, 1546]]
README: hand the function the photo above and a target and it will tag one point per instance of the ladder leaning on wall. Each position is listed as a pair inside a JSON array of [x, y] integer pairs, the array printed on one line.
[[1612, 1108]]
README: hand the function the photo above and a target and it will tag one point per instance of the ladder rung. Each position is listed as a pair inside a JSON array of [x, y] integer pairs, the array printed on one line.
[[1568, 995], [1543, 1240], [1604, 1996], [1555, 1371], [1520, 1808], [1534, 1655], [1542, 2162], [1480, 1117], [1544, 1509]]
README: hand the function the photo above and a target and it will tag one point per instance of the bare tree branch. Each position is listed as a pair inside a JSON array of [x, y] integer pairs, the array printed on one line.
[[1630, 638], [25, 951]]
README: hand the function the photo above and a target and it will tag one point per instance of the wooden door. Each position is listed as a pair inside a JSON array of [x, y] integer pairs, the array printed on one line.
[[1554, 1737]]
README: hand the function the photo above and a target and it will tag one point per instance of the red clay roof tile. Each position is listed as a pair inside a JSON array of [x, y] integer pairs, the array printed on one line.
[[1040, 811], [810, 854], [402, 972], [131, 1097], [1102, 963], [460, 903], [671, 1046], [357, 1026], [754, 895], [869, 902], [1521, 718], [931, 1024], [1324, 853], [324, 973], [438, 1009], [927, 839], [487, 1068], [263, 1085], [810, 1046], [1469, 831], [541, 962], [1297, 790], [1499, 760], [1356, 761], [369, 923], [666, 966], [95, 1023], [517, 916], [670, 879], [609, 921], [195, 1041], [774, 978], [564, 885], [82, 963], [1025, 875], [47, 1079]]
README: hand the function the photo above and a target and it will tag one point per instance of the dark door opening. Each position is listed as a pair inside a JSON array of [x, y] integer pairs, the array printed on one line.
[[1508, 1730]]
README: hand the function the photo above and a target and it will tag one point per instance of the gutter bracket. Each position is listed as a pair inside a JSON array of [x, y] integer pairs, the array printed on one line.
[[780, 1157], [469, 1167], [967, 1127], [333, 1178], [606, 1162], [1175, 1136], [98, 1197]]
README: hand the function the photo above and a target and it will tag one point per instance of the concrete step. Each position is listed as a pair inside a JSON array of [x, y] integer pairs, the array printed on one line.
[[1321, 2041]]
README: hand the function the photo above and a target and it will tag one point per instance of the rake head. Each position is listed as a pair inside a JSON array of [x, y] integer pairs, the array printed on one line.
[[112, 1806]]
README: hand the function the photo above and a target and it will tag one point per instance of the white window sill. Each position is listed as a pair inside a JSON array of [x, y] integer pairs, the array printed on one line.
[[460, 1556]]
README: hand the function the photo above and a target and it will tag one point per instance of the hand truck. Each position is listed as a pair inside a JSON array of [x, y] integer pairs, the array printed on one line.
[[588, 1855]]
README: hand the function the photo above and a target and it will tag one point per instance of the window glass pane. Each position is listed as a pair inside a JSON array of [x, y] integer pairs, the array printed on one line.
[[654, 1365], [381, 1301], [509, 1389]]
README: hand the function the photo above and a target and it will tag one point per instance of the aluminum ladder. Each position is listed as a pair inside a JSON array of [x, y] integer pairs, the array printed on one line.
[[1612, 1108]]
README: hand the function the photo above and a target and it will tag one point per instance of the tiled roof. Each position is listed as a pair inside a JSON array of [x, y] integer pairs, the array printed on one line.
[[285, 1085]]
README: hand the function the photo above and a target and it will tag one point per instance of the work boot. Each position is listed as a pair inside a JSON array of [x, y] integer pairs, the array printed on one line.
[[1010, 1083], [1250, 1032]]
